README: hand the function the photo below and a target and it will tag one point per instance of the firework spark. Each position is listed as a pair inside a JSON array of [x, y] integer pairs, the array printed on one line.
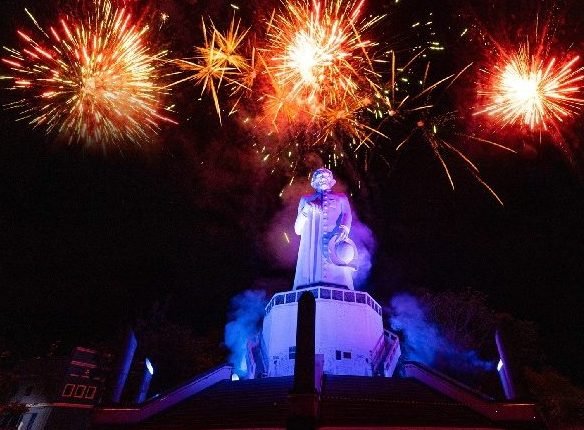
[[534, 91], [418, 114], [316, 53], [89, 79], [315, 82], [311, 75], [346, 119], [218, 61]]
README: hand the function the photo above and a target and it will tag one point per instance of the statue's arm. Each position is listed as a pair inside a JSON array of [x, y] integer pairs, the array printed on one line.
[[301, 218], [346, 216]]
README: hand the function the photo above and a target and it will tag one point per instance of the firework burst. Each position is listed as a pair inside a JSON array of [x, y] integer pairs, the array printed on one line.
[[219, 60], [90, 79], [317, 53], [311, 75], [314, 82], [533, 91]]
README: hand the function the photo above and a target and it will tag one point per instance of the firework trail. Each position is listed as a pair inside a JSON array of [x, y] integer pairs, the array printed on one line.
[[317, 82], [421, 117], [90, 78]]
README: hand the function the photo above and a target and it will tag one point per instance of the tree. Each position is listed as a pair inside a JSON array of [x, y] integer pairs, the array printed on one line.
[[464, 318], [466, 327], [8, 378], [7, 382], [562, 403]]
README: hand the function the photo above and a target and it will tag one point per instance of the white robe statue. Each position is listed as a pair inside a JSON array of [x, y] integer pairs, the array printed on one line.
[[323, 217]]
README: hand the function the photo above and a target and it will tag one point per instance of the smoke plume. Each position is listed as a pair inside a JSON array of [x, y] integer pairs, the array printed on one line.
[[423, 341], [246, 311], [362, 235]]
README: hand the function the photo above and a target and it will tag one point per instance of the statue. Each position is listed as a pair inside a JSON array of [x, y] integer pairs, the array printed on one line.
[[323, 224]]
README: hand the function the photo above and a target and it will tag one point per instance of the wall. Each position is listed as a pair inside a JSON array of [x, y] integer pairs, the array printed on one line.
[[346, 333]]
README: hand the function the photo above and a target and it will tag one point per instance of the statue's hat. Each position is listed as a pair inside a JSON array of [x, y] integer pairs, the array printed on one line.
[[343, 252]]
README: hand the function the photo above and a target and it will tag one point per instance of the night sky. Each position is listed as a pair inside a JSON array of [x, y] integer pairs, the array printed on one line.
[[91, 241]]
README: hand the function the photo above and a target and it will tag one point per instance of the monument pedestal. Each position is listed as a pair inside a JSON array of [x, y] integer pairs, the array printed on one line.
[[348, 333]]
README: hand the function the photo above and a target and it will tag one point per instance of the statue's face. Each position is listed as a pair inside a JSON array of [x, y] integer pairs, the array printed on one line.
[[322, 181]]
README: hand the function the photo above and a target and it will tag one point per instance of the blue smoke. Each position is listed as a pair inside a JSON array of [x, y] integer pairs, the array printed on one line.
[[470, 360], [246, 311], [422, 340], [362, 235]]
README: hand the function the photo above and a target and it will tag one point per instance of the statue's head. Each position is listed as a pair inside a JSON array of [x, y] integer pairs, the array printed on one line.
[[322, 179]]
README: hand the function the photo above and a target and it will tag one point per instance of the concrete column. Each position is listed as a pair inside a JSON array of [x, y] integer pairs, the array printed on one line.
[[145, 383], [123, 365], [304, 398], [511, 363]]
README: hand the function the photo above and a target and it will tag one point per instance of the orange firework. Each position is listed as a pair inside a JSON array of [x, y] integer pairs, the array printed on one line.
[[316, 53], [534, 91], [218, 61], [312, 70], [89, 79]]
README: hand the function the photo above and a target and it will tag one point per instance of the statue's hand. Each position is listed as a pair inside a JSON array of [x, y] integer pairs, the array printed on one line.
[[343, 233], [308, 208]]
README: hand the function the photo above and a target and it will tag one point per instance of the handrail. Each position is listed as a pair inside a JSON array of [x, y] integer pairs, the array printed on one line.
[[135, 414], [282, 298], [378, 353], [251, 363], [383, 352], [264, 354], [486, 406]]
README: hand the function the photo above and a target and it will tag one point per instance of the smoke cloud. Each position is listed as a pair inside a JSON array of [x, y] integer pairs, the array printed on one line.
[[362, 235], [281, 242], [422, 340], [246, 311]]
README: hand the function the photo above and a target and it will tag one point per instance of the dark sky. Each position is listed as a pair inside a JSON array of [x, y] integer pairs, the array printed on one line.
[[89, 241]]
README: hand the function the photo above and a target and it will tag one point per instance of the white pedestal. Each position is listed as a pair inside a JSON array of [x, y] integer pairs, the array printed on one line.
[[349, 330]]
